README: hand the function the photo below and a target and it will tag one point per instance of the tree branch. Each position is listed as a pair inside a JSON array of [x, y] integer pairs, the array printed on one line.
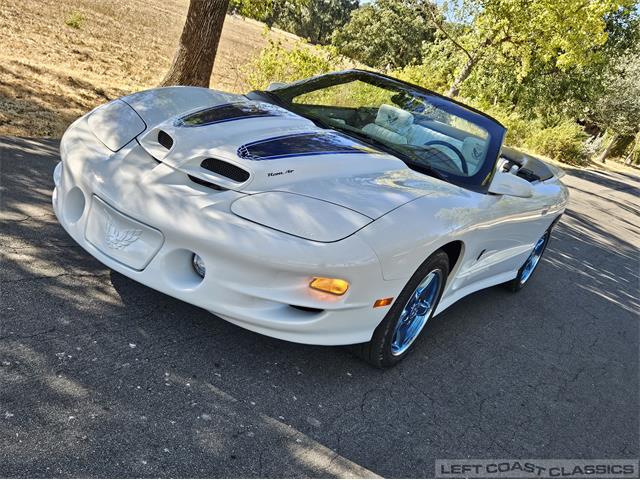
[[440, 27]]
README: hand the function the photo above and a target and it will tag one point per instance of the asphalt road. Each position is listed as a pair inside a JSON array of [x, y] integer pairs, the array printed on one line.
[[100, 376]]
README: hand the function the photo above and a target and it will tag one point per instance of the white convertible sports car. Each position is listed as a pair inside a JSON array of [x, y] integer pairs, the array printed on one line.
[[346, 209]]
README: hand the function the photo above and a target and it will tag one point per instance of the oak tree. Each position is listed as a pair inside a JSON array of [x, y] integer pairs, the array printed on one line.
[[193, 61]]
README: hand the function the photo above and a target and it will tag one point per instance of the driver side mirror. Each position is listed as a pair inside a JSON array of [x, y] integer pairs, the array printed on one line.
[[505, 183]]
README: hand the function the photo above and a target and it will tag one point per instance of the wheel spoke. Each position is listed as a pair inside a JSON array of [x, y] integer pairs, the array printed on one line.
[[534, 258], [415, 313]]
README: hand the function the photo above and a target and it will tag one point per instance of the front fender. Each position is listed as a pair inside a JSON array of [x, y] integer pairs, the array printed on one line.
[[406, 236]]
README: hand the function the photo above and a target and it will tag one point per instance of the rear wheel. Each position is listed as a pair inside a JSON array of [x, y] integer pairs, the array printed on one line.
[[529, 266], [396, 335]]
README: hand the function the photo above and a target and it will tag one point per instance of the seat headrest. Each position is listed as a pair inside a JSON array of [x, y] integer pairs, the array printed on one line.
[[474, 149], [394, 119]]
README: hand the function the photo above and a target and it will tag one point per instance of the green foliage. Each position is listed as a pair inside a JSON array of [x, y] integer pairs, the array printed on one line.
[[519, 129], [262, 10], [618, 108], [74, 20], [386, 33], [546, 91], [564, 142], [432, 77], [351, 95], [523, 38], [278, 64], [314, 20]]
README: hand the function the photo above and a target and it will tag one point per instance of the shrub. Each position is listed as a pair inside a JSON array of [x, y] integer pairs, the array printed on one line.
[[276, 63], [422, 75], [563, 142], [518, 128], [75, 20]]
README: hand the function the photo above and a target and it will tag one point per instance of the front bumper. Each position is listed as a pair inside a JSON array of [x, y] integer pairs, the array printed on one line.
[[256, 277]]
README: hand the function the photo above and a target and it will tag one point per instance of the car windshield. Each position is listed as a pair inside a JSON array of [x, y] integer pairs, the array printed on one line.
[[430, 133]]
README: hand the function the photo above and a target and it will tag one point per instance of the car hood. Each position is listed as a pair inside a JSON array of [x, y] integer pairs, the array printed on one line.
[[255, 147]]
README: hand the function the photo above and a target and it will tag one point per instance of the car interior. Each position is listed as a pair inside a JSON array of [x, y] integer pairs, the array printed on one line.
[[427, 132], [524, 165]]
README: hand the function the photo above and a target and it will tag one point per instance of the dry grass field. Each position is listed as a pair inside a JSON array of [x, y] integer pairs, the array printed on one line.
[[60, 58]]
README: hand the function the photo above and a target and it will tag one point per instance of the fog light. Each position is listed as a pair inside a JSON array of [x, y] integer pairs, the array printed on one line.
[[198, 265], [335, 286]]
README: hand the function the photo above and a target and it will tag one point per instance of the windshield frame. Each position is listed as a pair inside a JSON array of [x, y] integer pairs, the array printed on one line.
[[479, 181]]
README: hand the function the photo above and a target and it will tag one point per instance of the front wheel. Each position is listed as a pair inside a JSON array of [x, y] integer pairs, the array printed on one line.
[[396, 335], [529, 266]]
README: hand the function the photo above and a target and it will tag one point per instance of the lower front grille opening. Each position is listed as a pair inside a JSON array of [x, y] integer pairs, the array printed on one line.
[[307, 309], [204, 183]]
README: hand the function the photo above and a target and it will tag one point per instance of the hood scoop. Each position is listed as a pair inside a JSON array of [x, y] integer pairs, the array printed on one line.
[[230, 112], [324, 142]]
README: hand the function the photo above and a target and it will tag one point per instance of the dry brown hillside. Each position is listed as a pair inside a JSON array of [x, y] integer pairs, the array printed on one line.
[[60, 58]]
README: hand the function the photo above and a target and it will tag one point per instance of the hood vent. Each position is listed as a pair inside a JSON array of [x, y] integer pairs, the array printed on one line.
[[165, 139], [225, 169]]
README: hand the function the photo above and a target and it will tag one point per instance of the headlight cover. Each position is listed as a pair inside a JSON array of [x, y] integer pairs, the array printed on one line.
[[115, 124], [298, 215]]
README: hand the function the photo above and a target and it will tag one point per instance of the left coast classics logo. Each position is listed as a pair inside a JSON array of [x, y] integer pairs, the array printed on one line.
[[119, 239]]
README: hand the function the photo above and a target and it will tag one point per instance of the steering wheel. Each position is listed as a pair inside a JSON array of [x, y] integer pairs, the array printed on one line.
[[463, 161]]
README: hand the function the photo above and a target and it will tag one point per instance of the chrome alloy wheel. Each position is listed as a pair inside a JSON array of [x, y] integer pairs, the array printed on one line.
[[531, 263], [416, 312]]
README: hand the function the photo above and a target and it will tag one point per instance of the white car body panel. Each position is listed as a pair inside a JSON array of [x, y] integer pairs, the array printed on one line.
[[363, 216], [304, 217]]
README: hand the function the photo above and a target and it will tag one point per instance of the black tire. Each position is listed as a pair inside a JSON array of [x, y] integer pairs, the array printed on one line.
[[517, 284], [377, 351]]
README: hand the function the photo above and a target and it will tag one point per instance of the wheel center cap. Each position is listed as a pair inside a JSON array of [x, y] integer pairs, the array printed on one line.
[[419, 309]]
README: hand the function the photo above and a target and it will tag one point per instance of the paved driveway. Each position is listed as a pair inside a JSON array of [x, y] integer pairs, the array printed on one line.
[[100, 376]]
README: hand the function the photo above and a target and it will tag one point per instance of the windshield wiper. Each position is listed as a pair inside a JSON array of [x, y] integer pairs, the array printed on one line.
[[426, 169]]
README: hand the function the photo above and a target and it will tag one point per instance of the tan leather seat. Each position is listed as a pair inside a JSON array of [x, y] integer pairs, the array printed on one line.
[[474, 151], [392, 125]]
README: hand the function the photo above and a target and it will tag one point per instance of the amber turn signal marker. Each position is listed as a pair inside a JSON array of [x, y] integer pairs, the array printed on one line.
[[383, 302], [335, 286]]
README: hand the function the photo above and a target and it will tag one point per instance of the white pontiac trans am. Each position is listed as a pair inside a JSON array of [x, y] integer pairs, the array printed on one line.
[[345, 209]]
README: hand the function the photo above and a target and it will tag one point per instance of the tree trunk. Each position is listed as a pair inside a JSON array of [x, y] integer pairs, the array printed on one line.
[[605, 153], [454, 90], [193, 61], [629, 159]]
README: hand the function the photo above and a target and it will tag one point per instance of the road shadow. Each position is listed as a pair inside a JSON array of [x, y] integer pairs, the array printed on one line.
[[101, 376]]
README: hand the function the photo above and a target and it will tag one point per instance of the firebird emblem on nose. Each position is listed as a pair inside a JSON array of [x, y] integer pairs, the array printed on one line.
[[119, 239]]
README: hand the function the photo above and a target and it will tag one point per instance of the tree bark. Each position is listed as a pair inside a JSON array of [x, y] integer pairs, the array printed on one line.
[[454, 90], [605, 153], [629, 159], [193, 61]]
